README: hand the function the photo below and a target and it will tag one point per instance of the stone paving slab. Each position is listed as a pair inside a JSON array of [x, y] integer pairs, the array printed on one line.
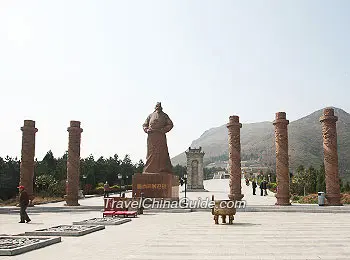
[[254, 235], [66, 230], [103, 221], [15, 245]]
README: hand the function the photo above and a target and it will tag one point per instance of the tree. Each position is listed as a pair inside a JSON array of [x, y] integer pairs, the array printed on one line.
[[179, 170], [347, 187], [139, 166], [321, 180], [9, 177], [127, 168], [311, 180]]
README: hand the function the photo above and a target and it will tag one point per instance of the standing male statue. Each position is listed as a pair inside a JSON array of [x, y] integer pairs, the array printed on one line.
[[156, 126]]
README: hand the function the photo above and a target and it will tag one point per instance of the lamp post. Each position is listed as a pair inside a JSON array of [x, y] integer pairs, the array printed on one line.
[[120, 184], [185, 180], [127, 182], [84, 183]]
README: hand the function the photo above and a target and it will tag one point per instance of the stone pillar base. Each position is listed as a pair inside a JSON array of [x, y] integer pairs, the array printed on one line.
[[70, 201], [235, 196], [282, 200], [155, 185], [333, 200]]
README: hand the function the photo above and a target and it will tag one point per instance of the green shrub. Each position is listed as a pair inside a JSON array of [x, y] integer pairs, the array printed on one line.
[[98, 190], [46, 186], [295, 198], [309, 199], [345, 198], [272, 186], [87, 189]]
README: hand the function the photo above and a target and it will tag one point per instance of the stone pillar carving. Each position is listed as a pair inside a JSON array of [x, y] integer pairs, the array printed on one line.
[[282, 159], [330, 152], [73, 164], [27, 157], [234, 162]]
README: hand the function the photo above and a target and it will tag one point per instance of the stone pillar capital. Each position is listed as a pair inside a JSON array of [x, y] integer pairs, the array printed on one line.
[[75, 127], [234, 122], [328, 115], [281, 119], [29, 126]]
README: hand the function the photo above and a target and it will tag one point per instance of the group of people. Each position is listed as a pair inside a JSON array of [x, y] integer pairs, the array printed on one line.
[[263, 187]]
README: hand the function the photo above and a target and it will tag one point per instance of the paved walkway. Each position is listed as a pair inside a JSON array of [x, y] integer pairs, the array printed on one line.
[[220, 189], [191, 236]]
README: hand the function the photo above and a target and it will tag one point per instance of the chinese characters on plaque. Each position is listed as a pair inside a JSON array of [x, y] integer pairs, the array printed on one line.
[[151, 186]]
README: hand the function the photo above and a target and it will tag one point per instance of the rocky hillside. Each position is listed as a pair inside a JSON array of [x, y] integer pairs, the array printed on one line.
[[257, 139]]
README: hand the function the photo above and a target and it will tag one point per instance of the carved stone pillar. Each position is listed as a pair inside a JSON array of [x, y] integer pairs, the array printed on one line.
[[73, 164], [329, 132], [27, 157], [282, 159], [234, 162]]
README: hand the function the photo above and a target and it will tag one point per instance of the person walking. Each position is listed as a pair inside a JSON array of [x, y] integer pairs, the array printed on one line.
[[23, 203], [106, 189], [254, 185], [261, 186], [265, 187]]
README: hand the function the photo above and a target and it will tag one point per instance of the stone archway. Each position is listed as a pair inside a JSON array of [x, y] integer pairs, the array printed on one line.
[[195, 169]]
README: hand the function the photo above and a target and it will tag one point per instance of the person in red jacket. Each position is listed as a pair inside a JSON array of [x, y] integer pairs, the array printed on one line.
[[23, 203]]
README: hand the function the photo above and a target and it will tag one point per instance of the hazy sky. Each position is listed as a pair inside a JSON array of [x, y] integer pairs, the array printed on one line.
[[107, 63]]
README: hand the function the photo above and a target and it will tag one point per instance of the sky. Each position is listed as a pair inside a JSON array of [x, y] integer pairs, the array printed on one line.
[[107, 63]]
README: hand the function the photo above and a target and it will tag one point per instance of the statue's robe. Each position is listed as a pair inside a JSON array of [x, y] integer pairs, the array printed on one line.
[[158, 160]]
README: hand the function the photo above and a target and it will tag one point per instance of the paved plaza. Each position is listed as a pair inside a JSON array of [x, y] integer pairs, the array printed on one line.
[[254, 235], [192, 235]]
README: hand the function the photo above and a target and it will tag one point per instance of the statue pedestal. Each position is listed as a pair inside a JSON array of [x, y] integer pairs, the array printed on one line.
[[155, 185]]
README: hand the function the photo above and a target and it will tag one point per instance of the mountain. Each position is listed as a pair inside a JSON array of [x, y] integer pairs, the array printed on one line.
[[257, 139]]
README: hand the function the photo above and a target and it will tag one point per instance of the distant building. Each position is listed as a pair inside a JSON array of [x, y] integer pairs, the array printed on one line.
[[221, 175], [218, 164]]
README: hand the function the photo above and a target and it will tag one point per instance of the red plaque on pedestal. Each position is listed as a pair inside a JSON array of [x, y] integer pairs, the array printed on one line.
[[155, 185]]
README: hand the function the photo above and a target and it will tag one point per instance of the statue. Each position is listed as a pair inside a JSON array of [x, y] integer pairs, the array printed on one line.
[[156, 126]]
